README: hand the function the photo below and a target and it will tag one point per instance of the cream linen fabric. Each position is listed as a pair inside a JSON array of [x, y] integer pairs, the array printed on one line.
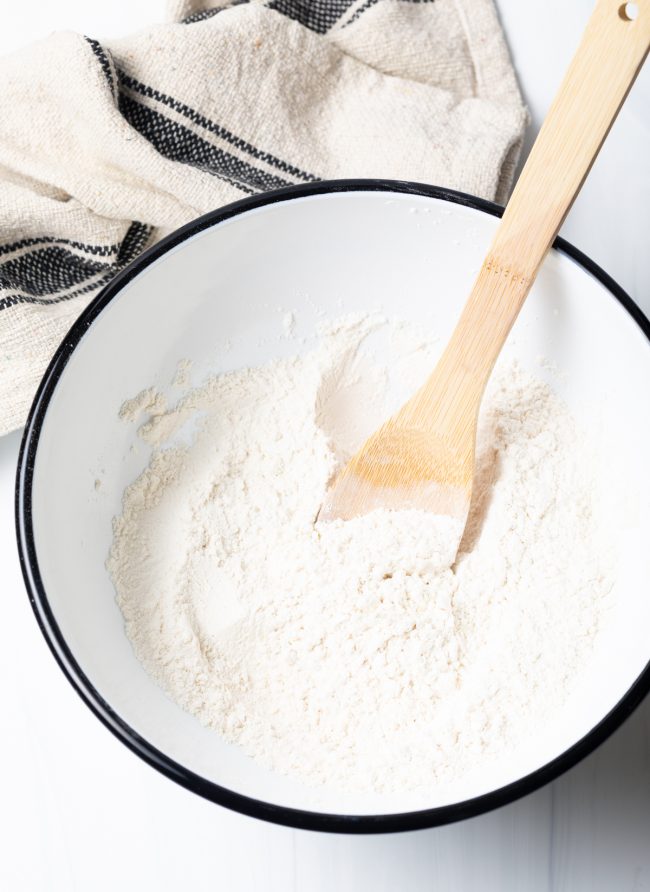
[[106, 147]]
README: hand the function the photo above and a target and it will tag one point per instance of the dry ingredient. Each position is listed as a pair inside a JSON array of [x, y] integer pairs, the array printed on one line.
[[357, 655]]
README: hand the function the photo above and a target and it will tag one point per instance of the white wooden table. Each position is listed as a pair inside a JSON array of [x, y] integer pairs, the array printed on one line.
[[79, 813]]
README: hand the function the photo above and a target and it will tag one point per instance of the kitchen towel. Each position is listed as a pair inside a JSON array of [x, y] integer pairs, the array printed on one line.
[[107, 146]]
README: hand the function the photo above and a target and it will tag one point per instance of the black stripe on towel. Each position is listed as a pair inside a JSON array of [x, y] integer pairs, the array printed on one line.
[[39, 276], [21, 298], [47, 270], [197, 118], [204, 14], [99, 250], [106, 62], [317, 15], [179, 143]]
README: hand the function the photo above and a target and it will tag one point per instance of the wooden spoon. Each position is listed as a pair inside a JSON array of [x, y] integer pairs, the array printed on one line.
[[423, 457]]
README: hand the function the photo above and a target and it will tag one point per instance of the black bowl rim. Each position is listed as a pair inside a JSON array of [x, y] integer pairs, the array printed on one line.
[[292, 817]]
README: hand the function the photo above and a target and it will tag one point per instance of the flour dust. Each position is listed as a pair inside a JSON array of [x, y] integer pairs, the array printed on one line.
[[356, 654]]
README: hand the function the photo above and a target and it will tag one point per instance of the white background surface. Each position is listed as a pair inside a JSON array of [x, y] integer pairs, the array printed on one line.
[[79, 812]]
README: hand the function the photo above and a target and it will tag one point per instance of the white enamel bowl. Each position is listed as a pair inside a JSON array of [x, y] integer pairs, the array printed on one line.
[[329, 248]]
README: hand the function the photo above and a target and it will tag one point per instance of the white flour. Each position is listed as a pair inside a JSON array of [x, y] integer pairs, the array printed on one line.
[[351, 654]]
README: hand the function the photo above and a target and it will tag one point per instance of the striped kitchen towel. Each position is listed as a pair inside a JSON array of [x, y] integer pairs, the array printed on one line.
[[105, 147]]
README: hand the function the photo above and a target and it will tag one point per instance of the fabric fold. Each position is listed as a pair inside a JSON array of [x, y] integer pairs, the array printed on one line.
[[104, 148]]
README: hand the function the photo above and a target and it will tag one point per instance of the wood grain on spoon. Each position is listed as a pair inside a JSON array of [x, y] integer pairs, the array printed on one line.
[[423, 457]]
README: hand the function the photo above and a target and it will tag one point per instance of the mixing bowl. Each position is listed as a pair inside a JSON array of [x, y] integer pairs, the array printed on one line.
[[215, 292]]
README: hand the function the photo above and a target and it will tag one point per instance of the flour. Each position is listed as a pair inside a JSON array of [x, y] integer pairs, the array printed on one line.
[[357, 655]]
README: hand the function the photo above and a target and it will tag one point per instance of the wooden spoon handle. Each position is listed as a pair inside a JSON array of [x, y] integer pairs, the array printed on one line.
[[606, 63], [594, 88]]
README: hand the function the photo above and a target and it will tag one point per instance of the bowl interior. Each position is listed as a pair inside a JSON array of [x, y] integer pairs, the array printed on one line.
[[218, 298]]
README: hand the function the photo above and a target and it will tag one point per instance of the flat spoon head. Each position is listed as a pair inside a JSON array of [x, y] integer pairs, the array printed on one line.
[[404, 468]]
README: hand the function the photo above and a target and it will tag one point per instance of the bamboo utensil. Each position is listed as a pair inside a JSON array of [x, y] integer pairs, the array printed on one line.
[[423, 457]]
